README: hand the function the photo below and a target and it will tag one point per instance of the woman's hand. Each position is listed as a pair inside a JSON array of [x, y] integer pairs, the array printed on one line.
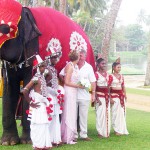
[[99, 102], [80, 86], [112, 101], [34, 105], [125, 98]]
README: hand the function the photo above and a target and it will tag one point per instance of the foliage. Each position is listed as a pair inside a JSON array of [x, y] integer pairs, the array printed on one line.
[[129, 38], [135, 36]]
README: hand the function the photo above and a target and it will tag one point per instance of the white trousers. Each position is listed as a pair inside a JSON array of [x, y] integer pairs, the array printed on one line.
[[103, 118], [55, 129], [40, 135], [119, 117], [83, 117]]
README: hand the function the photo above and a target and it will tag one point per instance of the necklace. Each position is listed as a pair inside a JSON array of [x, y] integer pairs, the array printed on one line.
[[118, 76], [104, 74]]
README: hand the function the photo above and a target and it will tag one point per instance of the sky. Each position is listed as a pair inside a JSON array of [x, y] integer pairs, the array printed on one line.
[[130, 9]]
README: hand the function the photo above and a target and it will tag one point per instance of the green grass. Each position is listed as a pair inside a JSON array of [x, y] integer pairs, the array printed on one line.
[[138, 123], [138, 91]]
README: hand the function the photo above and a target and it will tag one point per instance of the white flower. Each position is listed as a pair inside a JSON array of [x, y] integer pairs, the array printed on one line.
[[77, 42], [85, 83]]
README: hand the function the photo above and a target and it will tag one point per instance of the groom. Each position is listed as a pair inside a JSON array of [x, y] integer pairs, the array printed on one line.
[[84, 97]]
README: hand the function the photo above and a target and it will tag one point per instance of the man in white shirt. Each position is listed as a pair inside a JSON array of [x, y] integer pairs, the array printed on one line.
[[84, 98]]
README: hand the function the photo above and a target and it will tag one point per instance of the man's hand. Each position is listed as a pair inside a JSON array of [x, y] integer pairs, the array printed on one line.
[[93, 97], [99, 102], [112, 101]]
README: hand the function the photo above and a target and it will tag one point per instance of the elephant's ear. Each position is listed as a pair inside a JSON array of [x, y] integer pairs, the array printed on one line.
[[30, 29]]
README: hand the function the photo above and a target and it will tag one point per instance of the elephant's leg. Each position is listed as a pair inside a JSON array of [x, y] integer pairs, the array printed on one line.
[[10, 99], [25, 138]]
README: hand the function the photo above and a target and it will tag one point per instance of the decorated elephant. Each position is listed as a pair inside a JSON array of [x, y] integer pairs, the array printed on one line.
[[23, 33]]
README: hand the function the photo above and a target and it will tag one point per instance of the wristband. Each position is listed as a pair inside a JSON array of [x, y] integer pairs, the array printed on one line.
[[30, 102], [26, 89]]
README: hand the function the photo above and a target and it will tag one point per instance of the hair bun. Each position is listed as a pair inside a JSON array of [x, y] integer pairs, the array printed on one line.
[[118, 60]]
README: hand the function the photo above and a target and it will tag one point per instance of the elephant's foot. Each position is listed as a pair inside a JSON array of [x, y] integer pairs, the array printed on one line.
[[9, 140], [25, 138]]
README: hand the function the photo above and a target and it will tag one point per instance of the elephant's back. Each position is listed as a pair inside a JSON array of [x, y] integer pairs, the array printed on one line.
[[54, 24]]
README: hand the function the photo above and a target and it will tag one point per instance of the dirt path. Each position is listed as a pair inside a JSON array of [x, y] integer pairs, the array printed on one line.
[[135, 101], [139, 102]]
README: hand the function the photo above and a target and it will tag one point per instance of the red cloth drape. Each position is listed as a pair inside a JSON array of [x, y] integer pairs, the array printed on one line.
[[53, 24]]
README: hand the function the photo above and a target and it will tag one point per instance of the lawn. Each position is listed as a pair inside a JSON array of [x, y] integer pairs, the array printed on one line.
[[138, 123], [138, 91]]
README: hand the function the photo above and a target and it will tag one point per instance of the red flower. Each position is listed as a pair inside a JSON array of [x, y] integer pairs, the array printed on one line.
[[50, 118], [62, 95], [62, 101], [61, 108], [59, 91], [59, 102], [47, 108], [49, 99], [51, 106], [27, 112], [58, 97], [48, 111]]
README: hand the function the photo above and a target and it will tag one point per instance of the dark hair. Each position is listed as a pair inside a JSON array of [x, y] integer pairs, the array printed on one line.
[[73, 55], [114, 65], [98, 61]]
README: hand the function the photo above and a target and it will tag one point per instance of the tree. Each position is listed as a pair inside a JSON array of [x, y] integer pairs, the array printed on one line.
[[109, 25], [136, 37], [62, 6], [147, 77], [143, 18]]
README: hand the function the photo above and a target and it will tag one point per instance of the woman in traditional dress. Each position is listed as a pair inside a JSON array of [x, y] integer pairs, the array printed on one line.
[[68, 125], [118, 99], [102, 100]]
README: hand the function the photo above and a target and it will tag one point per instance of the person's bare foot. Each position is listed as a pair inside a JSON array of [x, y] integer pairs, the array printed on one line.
[[72, 142], [118, 134], [75, 140], [86, 139], [100, 136]]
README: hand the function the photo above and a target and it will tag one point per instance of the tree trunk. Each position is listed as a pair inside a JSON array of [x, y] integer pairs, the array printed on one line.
[[109, 25], [62, 6], [147, 77], [52, 3], [85, 24], [35, 3]]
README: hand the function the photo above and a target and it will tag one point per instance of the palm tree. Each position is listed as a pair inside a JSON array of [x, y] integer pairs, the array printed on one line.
[[147, 77], [109, 25], [62, 6]]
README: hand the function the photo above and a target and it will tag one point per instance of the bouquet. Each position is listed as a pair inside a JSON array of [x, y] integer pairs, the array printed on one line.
[[86, 84]]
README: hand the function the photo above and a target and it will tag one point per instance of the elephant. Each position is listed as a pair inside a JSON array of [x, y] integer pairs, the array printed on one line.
[[25, 32]]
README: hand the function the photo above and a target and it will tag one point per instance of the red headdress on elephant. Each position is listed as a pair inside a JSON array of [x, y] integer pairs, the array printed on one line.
[[53, 24], [10, 14]]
